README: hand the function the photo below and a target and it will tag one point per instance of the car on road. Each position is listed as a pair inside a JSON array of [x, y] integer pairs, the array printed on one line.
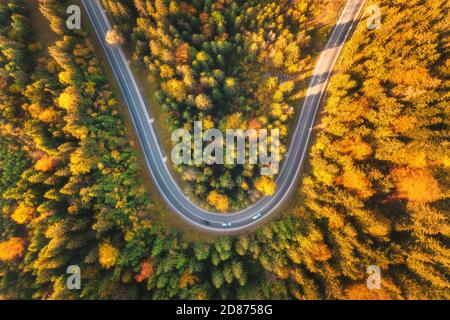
[[256, 216]]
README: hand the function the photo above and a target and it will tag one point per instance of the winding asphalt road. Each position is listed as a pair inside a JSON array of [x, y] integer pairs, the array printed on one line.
[[287, 179]]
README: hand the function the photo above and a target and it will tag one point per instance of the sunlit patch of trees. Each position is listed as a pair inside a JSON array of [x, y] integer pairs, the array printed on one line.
[[379, 182]]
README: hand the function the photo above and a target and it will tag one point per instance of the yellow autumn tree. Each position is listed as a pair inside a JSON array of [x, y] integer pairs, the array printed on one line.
[[22, 214], [107, 255], [235, 121], [11, 249], [207, 123], [69, 99], [220, 202], [166, 71], [175, 88], [48, 115], [404, 123], [202, 101], [266, 185], [66, 77], [80, 163]]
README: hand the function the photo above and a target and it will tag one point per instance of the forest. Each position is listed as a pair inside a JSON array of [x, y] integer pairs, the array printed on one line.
[[229, 64], [376, 191]]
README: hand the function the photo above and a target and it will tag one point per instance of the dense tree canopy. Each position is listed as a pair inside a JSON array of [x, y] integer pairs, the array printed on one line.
[[380, 162], [376, 194]]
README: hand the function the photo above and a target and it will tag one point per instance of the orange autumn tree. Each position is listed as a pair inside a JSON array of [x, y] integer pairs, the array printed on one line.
[[187, 278], [359, 291], [49, 115], [3, 82], [182, 53], [45, 164], [146, 271], [355, 180], [321, 252], [356, 147], [11, 249], [416, 185]]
